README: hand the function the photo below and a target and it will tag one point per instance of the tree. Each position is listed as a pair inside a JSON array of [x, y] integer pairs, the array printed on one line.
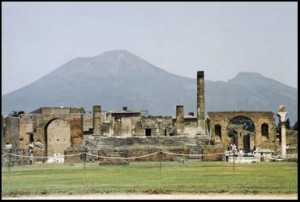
[[14, 114], [81, 110], [21, 112], [191, 113]]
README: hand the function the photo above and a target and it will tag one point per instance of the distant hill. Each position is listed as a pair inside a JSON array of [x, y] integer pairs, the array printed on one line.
[[119, 78]]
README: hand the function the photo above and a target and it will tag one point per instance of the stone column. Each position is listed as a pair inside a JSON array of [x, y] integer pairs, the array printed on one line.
[[97, 120], [282, 119], [200, 104], [179, 119]]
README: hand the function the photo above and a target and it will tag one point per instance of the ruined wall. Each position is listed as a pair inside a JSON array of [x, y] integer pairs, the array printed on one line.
[[159, 125], [127, 124], [56, 110], [11, 131], [87, 122], [16, 159], [74, 156], [141, 152], [138, 129], [120, 123], [24, 126], [65, 130], [212, 153], [190, 126], [93, 142], [257, 117]]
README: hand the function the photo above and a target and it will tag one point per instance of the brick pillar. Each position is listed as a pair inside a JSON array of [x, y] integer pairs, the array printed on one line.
[[97, 120], [179, 119], [200, 104]]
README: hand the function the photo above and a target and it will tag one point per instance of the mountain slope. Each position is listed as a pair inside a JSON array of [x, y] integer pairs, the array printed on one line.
[[119, 78]]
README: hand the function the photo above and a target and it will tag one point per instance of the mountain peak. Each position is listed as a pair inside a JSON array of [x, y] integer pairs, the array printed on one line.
[[122, 62], [116, 52], [247, 74], [247, 77]]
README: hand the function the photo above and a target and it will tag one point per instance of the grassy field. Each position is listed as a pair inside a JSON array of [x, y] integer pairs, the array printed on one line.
[[151, 177]]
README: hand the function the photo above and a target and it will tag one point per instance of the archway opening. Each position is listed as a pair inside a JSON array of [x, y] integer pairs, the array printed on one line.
[[57, 137], [240, 130]]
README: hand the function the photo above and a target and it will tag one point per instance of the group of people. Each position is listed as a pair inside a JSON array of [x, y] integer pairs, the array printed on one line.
[[233, 149]]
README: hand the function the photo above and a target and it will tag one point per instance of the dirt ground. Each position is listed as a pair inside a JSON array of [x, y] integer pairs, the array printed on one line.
[[159, 196]]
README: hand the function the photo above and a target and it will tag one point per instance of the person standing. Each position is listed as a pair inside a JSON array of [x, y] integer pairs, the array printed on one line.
[[8, 147], [241, 153], [30, 148], [254, 149]]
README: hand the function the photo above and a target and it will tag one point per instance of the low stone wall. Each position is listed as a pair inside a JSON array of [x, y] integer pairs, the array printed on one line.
[[15, 157], [213, 153], [92, 156], [135, 141], [74, 156], [141, 154]]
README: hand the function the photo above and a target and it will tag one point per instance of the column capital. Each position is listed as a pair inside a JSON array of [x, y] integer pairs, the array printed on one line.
[[282, 116]]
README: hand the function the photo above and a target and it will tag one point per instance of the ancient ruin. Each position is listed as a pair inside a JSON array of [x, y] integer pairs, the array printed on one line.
[[56, 132]]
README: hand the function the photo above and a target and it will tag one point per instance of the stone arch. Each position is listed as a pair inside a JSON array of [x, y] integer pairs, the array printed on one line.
[[57, 136], [239, 130], [257, 117]]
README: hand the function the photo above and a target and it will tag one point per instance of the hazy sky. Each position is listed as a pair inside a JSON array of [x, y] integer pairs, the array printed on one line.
[[220, 38]]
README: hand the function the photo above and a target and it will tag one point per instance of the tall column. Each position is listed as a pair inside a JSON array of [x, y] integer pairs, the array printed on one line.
[[282, 119], [179, 119], [97, 120], [200, 103]]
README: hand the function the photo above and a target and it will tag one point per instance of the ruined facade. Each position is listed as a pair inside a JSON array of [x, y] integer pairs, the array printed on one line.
[[52, 130], [255, 129], [55, 130]]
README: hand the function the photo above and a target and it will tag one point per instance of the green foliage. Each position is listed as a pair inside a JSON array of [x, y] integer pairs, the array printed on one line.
[[81, 110], [14, 114]]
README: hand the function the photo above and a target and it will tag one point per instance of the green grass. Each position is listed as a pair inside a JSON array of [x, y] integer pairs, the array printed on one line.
[[151, 177]]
